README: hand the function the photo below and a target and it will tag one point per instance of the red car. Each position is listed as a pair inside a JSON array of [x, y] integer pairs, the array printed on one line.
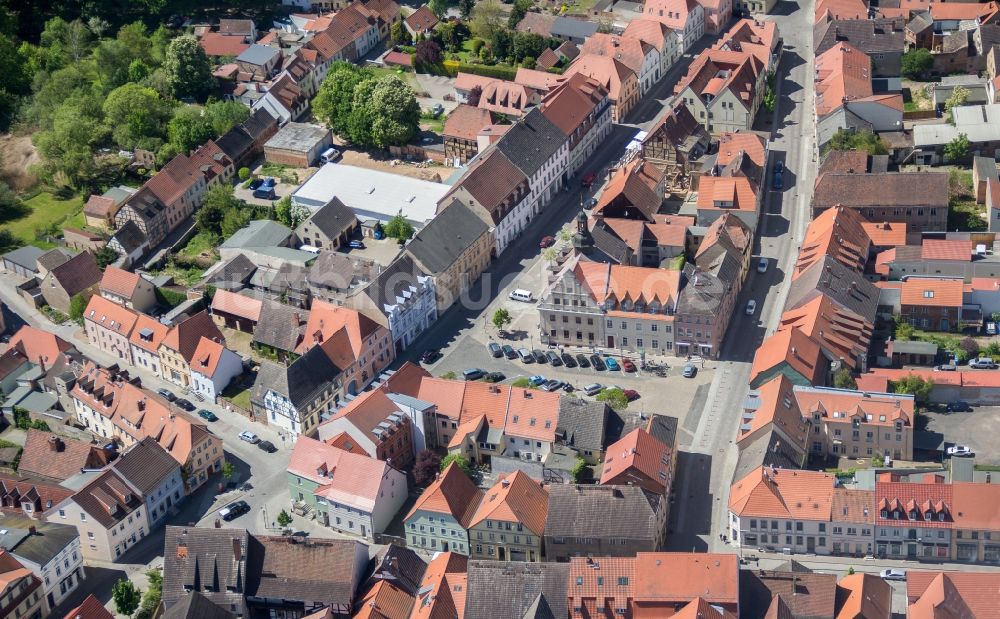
[[547, 241], [631, 394], [627, 365], [588, 179]]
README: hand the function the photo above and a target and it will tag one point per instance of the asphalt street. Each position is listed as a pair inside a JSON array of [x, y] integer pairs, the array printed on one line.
[[706, 465]]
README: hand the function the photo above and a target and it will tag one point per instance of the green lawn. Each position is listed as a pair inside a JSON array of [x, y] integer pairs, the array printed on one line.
[[201, 243], [46, 210], [238, 395], [406, 76]]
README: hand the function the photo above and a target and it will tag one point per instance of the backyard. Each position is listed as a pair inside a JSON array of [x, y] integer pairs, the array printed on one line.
[[44, 211], [963, 212]]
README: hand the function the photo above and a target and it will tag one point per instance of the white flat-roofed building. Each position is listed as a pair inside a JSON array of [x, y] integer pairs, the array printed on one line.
[[372, 194]]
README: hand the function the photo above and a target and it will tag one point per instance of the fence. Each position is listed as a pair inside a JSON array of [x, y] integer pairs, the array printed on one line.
[[227, 404], [919, 115]]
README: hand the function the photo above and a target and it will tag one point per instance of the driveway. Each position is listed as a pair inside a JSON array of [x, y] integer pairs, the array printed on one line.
[[973, 429], [437, 88]]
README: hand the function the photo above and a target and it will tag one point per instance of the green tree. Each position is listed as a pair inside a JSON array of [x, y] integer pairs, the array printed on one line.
[[395, 113], [189, 128], [579, 469], [438, 7], [105, 256], [398, 228], [244, 173], [284, 519], [126, 596], [335, 98], [138, 71], [517, 13], [501, 318], [957, 149], [77, 305], [916, 386], [151, 600], [283, 211], [134, 114], [451, 35], [399, 34], [16, 80], [916, 63], [188, 68], [228, 470], [487, 17], [8, 241], [136, 38], [461, 461], [844, 379], [233, 221], [902, 330], [11, 206], [224, 115], [959, 96], [857, 140], [528, 44], [465, 7], [614, 397], [112, 59], [67, 148]]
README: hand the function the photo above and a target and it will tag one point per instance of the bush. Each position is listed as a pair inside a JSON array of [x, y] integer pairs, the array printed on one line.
[[615, 398], [169, 298], [970, 346], [453, 68], [244, 174]]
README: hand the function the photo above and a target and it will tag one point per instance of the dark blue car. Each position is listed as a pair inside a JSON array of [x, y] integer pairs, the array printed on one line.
[[777, 184]]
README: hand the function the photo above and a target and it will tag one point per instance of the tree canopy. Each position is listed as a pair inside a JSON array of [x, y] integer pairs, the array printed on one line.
[[916, 62], [369, 110], [188, 69], [957, 149], [857, 140]]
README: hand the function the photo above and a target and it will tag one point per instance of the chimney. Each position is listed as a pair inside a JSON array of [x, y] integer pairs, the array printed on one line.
[[56, 444], [505, 483]]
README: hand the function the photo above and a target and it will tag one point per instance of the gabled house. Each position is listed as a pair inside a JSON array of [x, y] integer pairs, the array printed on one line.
[[581, 109], [642, 59], [882, 39], [373, 425], [509, 523], [109, 326], [621, 82], [348, 492], [128, 289], [329, 227], [686, 17], [634, 191], [177, 349], [284, 100], [144, 343], [23, 595], [675, 141], [422, 21], [723, 89], [212, 367], [78, 275], [99, 211], [639, 459], [439, 520], [52, 457], [858, 424], [402, 299]]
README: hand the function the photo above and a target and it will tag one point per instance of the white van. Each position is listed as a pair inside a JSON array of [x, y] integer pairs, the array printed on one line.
[[309, 248], [521, 295], [329, 155]]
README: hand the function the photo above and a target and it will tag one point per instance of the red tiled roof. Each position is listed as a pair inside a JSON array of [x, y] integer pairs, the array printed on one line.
[[119, 282], [783, 493], [421, 20], [466, 122], [867, 595], [928, 292], [237, 305], [793, 347], [91, 608], [667, 577], [206, 357], [901, 497], [937, 595], [384, 601], [37, 346], [98, 206], [515, 498], [148, 333], [185, 336], [885, 234], [216, 44], [640, 459], [452, 493], [946, 249], [109, 315], [48, 455]]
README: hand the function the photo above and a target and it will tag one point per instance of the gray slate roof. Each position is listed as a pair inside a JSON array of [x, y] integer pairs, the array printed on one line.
[[26, 256], [531, 142], [582, 422], [232, 274], [767, 449], [299, 381], [507, 590], [195, 557], [441, 242], [195, 605], [572, 28], [872, 36], [48, 540], [280, 326], [332, 219], [846, 287], [146, 465], [321, 570], [397, 278], [259, 233], [258, 54], [602, 512]]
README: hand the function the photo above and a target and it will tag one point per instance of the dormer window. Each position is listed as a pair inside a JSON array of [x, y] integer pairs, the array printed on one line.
[[885, 513], [929, 515], [913, 514]]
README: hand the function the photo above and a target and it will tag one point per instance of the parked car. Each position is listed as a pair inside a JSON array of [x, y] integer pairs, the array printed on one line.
[[751, 308], [568, 360], [991, 328], [356, 244], [525, 355], [267, 446], [893, 574], [631, 394], [430, 355], [779, 167], [547, 241], [627, 365], [582, 360], [593, 388], [508, 351], [777, 183], [494, 377], [596, 361], [264, 192], [552, 385], [588, 180], [553, 358], [983, 363], [165, 393], [946, 367], [539, 356], [249, 437], [689, 371], [184, 405], [255, 184], [762, 265], [207, 415], [611, 364], [495, 351], [958, 407], [473, 374], [537, 379], [234, 510], [269, 181], [960, 451]]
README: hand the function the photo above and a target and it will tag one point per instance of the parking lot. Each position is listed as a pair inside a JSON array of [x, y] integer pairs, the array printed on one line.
[[974, 429]]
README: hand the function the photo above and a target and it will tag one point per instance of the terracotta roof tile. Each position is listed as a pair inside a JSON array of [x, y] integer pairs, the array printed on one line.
[[777, 407], [793, 347], [726, 193], [384, 600], [608, 581], [731, 144], [37, 346], [206, 357], [359, 478], [838, 330], [639, 459], [773, 493], [421, 20], [853, 505], [452, 493], [515, 498], [839, 233], [569, 105], [119, 282], [682, 576], [91, 608], [98, 206], [932, 595], [237, 305], [610, 73], [185, 336], [636, 184], [946, 249], [927, 292], [931, 495], [621, 283], [148, 333], [843, 73], [466, 122], [110, 315], [885, 234], [216, 44], [443, 588], [53, 457]]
